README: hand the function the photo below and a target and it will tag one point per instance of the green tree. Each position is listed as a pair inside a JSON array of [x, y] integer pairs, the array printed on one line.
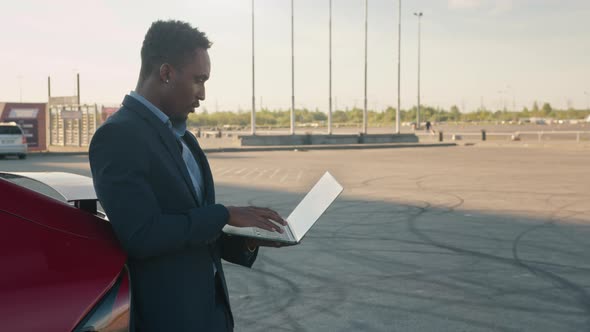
[[546, 109], [454, 114]]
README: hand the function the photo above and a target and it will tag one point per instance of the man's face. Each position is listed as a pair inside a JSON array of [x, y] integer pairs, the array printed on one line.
[[186, 86]]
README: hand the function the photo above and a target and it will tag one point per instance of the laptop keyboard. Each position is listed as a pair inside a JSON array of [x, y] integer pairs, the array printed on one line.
[[273, 235]]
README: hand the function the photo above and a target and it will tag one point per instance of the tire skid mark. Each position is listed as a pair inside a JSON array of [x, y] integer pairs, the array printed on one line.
[[579, 293]]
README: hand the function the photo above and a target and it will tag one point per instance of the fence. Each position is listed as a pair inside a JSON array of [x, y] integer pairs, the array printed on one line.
[[72, 125], [538, 136]]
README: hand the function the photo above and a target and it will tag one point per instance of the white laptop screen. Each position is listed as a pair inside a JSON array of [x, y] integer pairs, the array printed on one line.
[[313, 205]]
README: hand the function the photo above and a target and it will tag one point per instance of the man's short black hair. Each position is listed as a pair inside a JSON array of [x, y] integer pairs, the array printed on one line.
[[169, 42]]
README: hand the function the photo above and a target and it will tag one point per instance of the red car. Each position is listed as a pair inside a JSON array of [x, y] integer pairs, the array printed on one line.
[[62, 268]]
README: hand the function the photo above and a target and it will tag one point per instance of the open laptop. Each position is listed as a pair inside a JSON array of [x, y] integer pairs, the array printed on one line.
[[309, 210]]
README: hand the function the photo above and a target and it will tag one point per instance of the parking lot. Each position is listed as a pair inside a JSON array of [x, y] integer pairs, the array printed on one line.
[[464, 238]]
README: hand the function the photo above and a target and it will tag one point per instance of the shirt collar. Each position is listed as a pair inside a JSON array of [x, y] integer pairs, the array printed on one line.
[[179, 129]]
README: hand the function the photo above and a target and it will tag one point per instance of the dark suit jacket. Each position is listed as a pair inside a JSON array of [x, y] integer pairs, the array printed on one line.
[[172, 242]]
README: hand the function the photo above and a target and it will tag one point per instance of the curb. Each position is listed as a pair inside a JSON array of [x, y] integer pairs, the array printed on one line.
[[329, 147], [285, 148], [59, 153]]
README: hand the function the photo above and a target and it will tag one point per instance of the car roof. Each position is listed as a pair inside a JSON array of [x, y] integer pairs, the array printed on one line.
[[72, 187], [11, 124]]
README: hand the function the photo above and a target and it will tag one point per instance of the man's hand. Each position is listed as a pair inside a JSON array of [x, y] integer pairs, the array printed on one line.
[[253, 243], [252, 216]]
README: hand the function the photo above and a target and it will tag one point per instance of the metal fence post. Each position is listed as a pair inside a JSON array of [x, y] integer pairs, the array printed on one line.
[[80, 124], [63, 142]]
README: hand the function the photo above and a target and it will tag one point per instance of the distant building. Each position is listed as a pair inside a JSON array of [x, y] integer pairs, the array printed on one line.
[[106, 112], [32, 118]]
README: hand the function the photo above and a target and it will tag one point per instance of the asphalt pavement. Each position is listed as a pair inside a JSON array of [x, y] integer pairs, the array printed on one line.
[[464, 238]]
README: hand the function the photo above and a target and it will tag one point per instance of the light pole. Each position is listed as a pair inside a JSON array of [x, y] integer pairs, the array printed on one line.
[[78, 88], [419, 15], [20, 87], [330, 72], [253, 116], [292, 70], [366, 34], [502, 94], [510, 90], [399, 47]]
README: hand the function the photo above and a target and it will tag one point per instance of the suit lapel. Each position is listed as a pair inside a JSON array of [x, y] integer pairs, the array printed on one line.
[[209, 190], [166, 136]]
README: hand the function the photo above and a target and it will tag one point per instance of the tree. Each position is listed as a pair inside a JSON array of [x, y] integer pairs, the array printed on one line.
[[353, 117], [546, 109], [454, 115]]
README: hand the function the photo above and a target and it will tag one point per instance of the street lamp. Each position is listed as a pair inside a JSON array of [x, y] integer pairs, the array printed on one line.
[[419, 15], [502, 94], [330, 72], [399, 47], [365, 104], [253, 116], [509, 93], [292, 69], [20, 87]]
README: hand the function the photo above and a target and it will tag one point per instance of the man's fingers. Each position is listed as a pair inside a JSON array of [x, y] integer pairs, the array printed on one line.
[[261, 223], [276, 217], [271, 214], [264, 223], [262, 218]]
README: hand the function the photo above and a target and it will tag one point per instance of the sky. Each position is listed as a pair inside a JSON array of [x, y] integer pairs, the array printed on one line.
[[493, 53]]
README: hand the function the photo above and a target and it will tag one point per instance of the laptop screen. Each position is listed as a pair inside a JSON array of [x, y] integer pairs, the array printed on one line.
[[313, 205]]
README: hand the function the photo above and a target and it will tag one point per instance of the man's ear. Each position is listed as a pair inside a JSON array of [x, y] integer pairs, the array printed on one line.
[[166, 73]]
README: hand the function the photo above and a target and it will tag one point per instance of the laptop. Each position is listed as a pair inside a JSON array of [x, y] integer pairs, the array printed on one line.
[[309, 210]]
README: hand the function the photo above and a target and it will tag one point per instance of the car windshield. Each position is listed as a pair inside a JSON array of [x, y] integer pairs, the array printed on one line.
[[33, 185], [44, 189], [10, 130]]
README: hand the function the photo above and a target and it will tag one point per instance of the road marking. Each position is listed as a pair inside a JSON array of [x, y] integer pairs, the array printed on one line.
[[299, 175], [225, 172], [275, 173], [260, 174], [251, 172], [285, 177], [240, 171]]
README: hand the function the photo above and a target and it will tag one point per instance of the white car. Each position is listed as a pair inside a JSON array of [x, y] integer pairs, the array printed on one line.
[[12, 140]]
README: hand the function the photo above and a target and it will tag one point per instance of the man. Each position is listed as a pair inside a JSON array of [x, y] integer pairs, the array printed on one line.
[[155, 185]]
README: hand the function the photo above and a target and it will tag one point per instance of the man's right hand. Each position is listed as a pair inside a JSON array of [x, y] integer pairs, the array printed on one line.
[[252, 216]]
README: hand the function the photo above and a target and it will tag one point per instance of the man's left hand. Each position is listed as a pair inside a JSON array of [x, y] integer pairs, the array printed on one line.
[[252, 243]]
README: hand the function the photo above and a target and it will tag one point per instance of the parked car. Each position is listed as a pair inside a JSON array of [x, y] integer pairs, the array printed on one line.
[[62, 267], [12, 140]]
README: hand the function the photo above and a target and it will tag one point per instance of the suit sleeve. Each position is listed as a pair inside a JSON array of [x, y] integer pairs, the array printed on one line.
[[120, 168]]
